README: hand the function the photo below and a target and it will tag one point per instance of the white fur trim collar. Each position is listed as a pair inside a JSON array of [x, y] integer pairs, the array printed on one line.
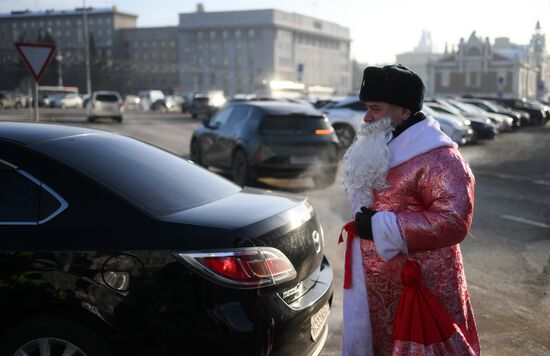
[[420, 138]]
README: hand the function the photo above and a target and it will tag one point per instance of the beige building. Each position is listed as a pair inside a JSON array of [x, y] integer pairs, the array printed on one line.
[[245, 51], [478, 67]]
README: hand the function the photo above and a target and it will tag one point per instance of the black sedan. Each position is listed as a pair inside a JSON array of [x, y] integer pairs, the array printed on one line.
[[268, 139], [109, 246]]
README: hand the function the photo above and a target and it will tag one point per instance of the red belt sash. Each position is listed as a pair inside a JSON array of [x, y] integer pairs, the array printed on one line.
[[348, 232]]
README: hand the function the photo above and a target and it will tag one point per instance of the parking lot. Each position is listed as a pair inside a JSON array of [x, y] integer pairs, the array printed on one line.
[[507, 258]]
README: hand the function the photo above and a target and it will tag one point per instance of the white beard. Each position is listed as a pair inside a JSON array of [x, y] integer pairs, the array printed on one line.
[[366, 162]]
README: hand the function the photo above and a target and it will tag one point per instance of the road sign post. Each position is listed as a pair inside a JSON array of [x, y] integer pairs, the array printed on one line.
[[36, 57]]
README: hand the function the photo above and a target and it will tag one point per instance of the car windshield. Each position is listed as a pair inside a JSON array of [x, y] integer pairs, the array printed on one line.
[[154, 180]]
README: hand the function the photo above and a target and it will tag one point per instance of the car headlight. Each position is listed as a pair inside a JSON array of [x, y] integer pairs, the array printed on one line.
[[467, 122]]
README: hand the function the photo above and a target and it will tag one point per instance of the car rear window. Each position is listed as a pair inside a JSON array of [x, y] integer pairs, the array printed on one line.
[[299, 124], [107, 97], [154, 180]]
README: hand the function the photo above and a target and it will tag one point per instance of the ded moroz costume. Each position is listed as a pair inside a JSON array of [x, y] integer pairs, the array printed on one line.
[[413, 213]]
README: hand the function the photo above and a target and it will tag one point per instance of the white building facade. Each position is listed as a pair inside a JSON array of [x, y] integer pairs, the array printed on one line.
[[246, 51]]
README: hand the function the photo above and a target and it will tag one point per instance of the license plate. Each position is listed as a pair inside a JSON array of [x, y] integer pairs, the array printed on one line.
[[318, 321], [303, 159]]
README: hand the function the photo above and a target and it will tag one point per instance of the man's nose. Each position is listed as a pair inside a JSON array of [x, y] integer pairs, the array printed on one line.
[[368, 118]]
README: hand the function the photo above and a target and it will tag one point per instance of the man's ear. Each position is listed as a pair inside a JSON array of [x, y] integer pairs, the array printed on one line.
[[406, 113]]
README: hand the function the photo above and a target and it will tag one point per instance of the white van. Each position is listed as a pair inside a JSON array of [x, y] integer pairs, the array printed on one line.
[[148, 97]]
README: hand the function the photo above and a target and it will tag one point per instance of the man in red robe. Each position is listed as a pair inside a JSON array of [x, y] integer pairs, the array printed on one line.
[[412, 196]]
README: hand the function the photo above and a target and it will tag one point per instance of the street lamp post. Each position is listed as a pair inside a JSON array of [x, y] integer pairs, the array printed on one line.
[[59, 59], [87, 50]]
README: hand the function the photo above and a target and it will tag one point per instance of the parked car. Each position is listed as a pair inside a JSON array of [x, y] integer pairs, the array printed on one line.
[[168, 104], [105, 104], [207, 103], [458, 130], [148, 97], [346, 117], [21, 100], [112, 247], [483, 127], [131, 102], [7, 100], [495, 108], [500, 122], [65, 101], [537, 115], [268, 139]]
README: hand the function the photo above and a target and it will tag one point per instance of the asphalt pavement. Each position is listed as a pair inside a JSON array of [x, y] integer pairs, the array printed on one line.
[[507, 256]]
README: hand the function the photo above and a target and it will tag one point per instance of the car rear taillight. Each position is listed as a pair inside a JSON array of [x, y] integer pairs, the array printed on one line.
[[249, 267], [93, 104], [323, 132]]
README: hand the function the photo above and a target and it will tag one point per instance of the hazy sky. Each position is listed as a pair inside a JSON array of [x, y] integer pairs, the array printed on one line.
[[379, 29]]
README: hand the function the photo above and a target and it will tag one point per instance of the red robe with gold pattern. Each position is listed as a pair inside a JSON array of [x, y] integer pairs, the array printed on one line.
[[432, 196], [423, 215]]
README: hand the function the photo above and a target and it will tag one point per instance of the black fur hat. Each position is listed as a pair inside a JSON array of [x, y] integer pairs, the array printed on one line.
[[394, 84]]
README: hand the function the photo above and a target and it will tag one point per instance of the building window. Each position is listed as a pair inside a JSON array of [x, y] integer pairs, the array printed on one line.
[[108, 21], [199, 35], [225, 34], [57, 22], [445, 79], [172, 43], [251, 33], [473, 79], [212, 34], [67, 22], [100, 21], [154, 44], [238, 33]]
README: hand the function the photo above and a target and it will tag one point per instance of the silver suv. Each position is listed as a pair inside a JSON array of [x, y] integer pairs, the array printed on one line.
[[105, 104]]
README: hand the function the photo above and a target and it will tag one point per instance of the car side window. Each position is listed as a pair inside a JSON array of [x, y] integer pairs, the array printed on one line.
[[240, 114], [221, 117], [19, 197]]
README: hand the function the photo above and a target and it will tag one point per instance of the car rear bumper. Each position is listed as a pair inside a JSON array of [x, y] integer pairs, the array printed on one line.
[[219, 320]]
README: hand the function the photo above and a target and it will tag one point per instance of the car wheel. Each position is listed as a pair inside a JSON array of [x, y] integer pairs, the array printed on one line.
[[118, 119], [18, 105], [50, 335], [345, 134], [325, 179], [240, 169], [196, 155]]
